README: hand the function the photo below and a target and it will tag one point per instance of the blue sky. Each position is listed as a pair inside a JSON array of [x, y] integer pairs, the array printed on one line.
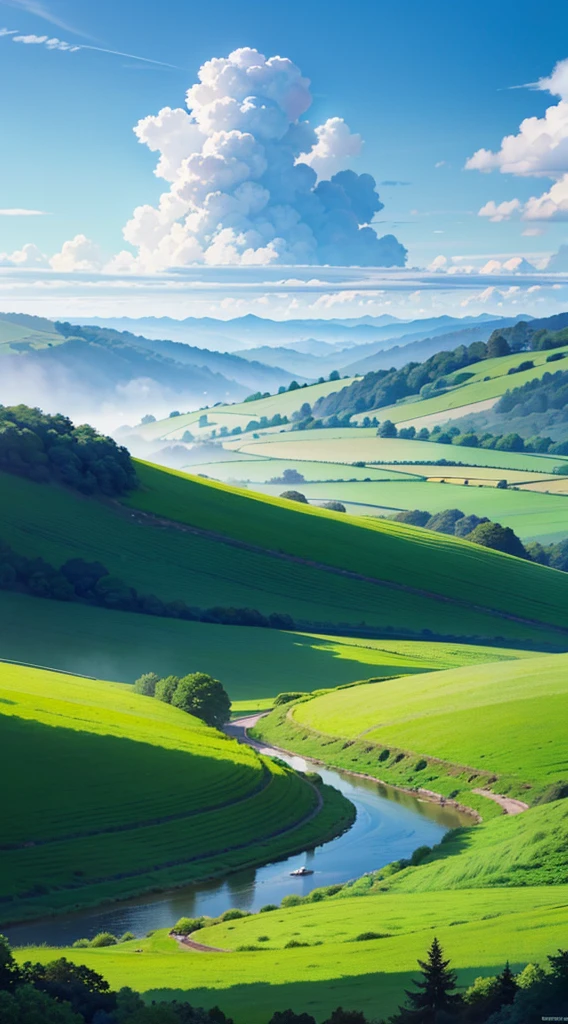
[[425, 85]]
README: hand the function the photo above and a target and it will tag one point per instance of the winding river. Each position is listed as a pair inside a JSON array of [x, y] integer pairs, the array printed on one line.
[[390, 824]]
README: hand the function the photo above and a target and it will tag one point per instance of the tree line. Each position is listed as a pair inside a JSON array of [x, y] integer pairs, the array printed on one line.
[[91, 583], [61, 992], [481, 530], [48, 448]]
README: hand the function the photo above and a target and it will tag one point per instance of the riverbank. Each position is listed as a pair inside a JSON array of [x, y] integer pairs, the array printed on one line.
[[239, 729]]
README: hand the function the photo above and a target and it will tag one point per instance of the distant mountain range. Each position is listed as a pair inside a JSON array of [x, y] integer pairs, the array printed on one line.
[[250, 332], [83, 369], [92, 370]]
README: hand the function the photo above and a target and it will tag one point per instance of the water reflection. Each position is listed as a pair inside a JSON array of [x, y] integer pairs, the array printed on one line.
[[390, 824]]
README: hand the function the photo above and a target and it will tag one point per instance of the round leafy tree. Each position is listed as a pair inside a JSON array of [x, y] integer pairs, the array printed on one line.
[[204, 697]]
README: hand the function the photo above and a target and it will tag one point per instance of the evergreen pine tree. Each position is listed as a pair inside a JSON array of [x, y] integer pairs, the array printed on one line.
[[506, 988], [436, 1000]]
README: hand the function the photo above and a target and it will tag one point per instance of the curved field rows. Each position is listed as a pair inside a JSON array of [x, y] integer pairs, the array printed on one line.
[[129, 788]]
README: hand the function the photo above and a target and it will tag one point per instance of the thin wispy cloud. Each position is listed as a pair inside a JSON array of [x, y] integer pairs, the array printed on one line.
[[40, 10], [53, 43], [15, 211]]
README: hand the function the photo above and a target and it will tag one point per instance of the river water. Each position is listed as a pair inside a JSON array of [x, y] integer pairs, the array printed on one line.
[[390, 824]]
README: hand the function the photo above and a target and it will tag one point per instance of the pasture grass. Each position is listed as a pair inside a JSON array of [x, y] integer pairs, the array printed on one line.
[[124, 793], [412, 579], [239, 414], [500, 725], [478, 931], [531, 514], [360, 444]]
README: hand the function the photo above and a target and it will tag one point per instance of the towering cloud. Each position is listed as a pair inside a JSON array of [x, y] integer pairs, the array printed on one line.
[[252, 183]]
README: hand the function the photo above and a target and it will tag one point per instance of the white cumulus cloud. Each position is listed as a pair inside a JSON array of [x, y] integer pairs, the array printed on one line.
[[250, 182], [539, 150], [79, 253], [334, 148]]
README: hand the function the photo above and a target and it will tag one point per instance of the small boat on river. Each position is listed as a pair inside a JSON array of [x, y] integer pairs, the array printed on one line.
[[301, 872]]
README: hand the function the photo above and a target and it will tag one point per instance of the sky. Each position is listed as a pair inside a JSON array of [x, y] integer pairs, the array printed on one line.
[[420, 97]]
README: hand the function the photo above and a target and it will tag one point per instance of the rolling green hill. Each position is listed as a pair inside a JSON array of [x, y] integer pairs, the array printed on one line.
[[237, 415], [478, 930], [477, 389], [112, 794], [232, 549], [497, 727], [253, 664]]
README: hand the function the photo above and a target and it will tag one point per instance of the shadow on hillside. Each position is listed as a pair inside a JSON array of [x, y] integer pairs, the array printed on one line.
[[377, 995]]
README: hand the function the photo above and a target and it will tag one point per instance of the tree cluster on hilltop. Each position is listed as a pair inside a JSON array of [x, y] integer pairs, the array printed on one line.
[[381, 388], [50, 448], [198, 694], [386, 387], [480, 530], [62, 992]]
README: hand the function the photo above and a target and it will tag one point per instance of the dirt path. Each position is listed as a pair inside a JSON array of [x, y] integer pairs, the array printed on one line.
[[509, 805], [184, 942]]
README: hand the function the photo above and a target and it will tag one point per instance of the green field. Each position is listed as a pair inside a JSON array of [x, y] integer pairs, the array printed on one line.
[[252, 663], [261, 470], [500, 726], [112, 794], [362, 444], [477, 389], [237, 415], [478, 930], [531, 514], [14, 334], [259, 552]]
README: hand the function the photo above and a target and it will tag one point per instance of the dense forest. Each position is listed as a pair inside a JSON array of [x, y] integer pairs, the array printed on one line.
[[50, 448]]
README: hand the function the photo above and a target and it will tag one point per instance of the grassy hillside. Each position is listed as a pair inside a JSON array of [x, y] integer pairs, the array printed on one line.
[[124, 793], [252, 663], [479, 931], [499, 726], [477, 389], [237, 415], [274, 555], [533, 515]]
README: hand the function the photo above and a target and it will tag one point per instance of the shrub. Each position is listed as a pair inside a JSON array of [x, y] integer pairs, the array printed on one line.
[[295, 496], [146, 684], [420, 765], [186, 925], [419, 854], [81, 943], [293, 900], [294, 944], [234, 914], [287, 698], [103, 939], [384, 755], [334, 506], [367, 936], [127, 937], [268, 907], [166, 688]]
